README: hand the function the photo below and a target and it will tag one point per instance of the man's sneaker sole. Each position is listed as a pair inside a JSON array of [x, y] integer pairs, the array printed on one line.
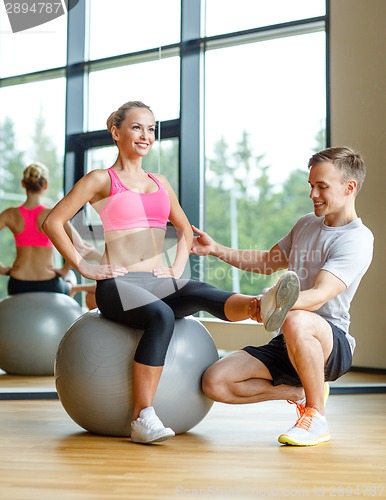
[[310, 429], [284, 439], [154, 437], [286, 296]]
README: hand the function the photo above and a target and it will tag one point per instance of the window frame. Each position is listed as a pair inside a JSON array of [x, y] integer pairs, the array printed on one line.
[[188, 127]]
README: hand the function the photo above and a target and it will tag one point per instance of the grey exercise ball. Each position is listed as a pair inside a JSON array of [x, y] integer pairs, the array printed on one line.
[[93, 375], [31, 327]]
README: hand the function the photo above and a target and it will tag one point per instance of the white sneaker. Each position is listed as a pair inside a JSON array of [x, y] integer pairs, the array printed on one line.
[[148, 428], [278, 300], [310, 429]]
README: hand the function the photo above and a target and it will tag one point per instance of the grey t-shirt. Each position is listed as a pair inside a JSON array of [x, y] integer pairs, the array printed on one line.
[[344, 251]]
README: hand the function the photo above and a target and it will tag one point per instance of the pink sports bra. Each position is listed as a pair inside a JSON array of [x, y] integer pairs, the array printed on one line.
[[127, 209], [31, 236]]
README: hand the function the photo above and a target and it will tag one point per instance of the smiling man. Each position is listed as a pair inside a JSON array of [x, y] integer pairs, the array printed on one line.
[[330, 250]]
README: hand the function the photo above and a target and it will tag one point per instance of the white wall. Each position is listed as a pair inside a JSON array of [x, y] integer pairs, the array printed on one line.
[[358, 119]]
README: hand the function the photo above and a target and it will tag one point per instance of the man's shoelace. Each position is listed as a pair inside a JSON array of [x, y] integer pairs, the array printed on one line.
[[300, 408], [305, 421]]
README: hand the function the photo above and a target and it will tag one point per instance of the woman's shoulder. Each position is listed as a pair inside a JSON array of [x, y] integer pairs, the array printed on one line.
[[10, 210], [45, 211], [98, 173], [157, 175], [161, 179], [97, 176], [10, 213], [11, 218], [94, 185]]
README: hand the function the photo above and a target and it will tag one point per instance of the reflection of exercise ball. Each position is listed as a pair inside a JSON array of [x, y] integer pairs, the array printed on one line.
[[31, 327], [93, 375]]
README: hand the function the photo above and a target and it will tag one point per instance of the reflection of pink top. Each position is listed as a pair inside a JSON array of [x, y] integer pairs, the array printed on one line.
[[127, 209], [31, 236]]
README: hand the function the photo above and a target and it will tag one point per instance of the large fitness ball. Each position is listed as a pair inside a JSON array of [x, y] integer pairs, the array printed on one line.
[[31, 328], [93, 375]]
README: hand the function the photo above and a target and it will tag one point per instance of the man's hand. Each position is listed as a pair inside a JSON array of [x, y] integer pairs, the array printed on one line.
[[203, 244]]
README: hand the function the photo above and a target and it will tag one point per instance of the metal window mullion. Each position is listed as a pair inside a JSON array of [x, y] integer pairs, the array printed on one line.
[[191, 178], [190, 108], [75, 86]]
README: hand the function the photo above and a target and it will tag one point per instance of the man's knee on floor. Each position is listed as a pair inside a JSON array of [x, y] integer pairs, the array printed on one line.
[[213, 384]]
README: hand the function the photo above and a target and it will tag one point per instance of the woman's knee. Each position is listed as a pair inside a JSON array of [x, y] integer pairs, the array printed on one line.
[[159, 326], [157, 333], [160, 316]]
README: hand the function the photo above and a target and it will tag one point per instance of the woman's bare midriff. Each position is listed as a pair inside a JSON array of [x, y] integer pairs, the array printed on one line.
[[138, 250]]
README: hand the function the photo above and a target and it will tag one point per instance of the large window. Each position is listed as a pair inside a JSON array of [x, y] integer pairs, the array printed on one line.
[[36, 49], [269, 98], [226, 16], [37, 113], [156, 83], [31, 129], [238, 90], [119, 26]]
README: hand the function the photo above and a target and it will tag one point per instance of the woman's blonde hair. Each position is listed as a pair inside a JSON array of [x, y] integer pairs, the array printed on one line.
[[35, 177], [117, 117]]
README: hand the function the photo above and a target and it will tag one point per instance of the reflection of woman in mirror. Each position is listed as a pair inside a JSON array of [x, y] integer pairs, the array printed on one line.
[[33, 268]]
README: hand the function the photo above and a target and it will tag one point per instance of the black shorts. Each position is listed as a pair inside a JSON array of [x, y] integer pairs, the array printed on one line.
[[275, 357], [56, 285]]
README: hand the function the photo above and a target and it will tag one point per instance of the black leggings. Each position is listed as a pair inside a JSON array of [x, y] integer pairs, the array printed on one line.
[[151, 304], [55, 285]]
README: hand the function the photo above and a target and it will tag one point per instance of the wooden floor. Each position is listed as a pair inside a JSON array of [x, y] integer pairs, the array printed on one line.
[[233, 453]]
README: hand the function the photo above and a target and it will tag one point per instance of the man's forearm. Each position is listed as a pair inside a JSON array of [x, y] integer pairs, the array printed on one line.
[[255, 261]]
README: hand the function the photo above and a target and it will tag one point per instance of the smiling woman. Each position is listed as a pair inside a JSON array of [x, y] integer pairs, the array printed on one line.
[[134, 286]]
